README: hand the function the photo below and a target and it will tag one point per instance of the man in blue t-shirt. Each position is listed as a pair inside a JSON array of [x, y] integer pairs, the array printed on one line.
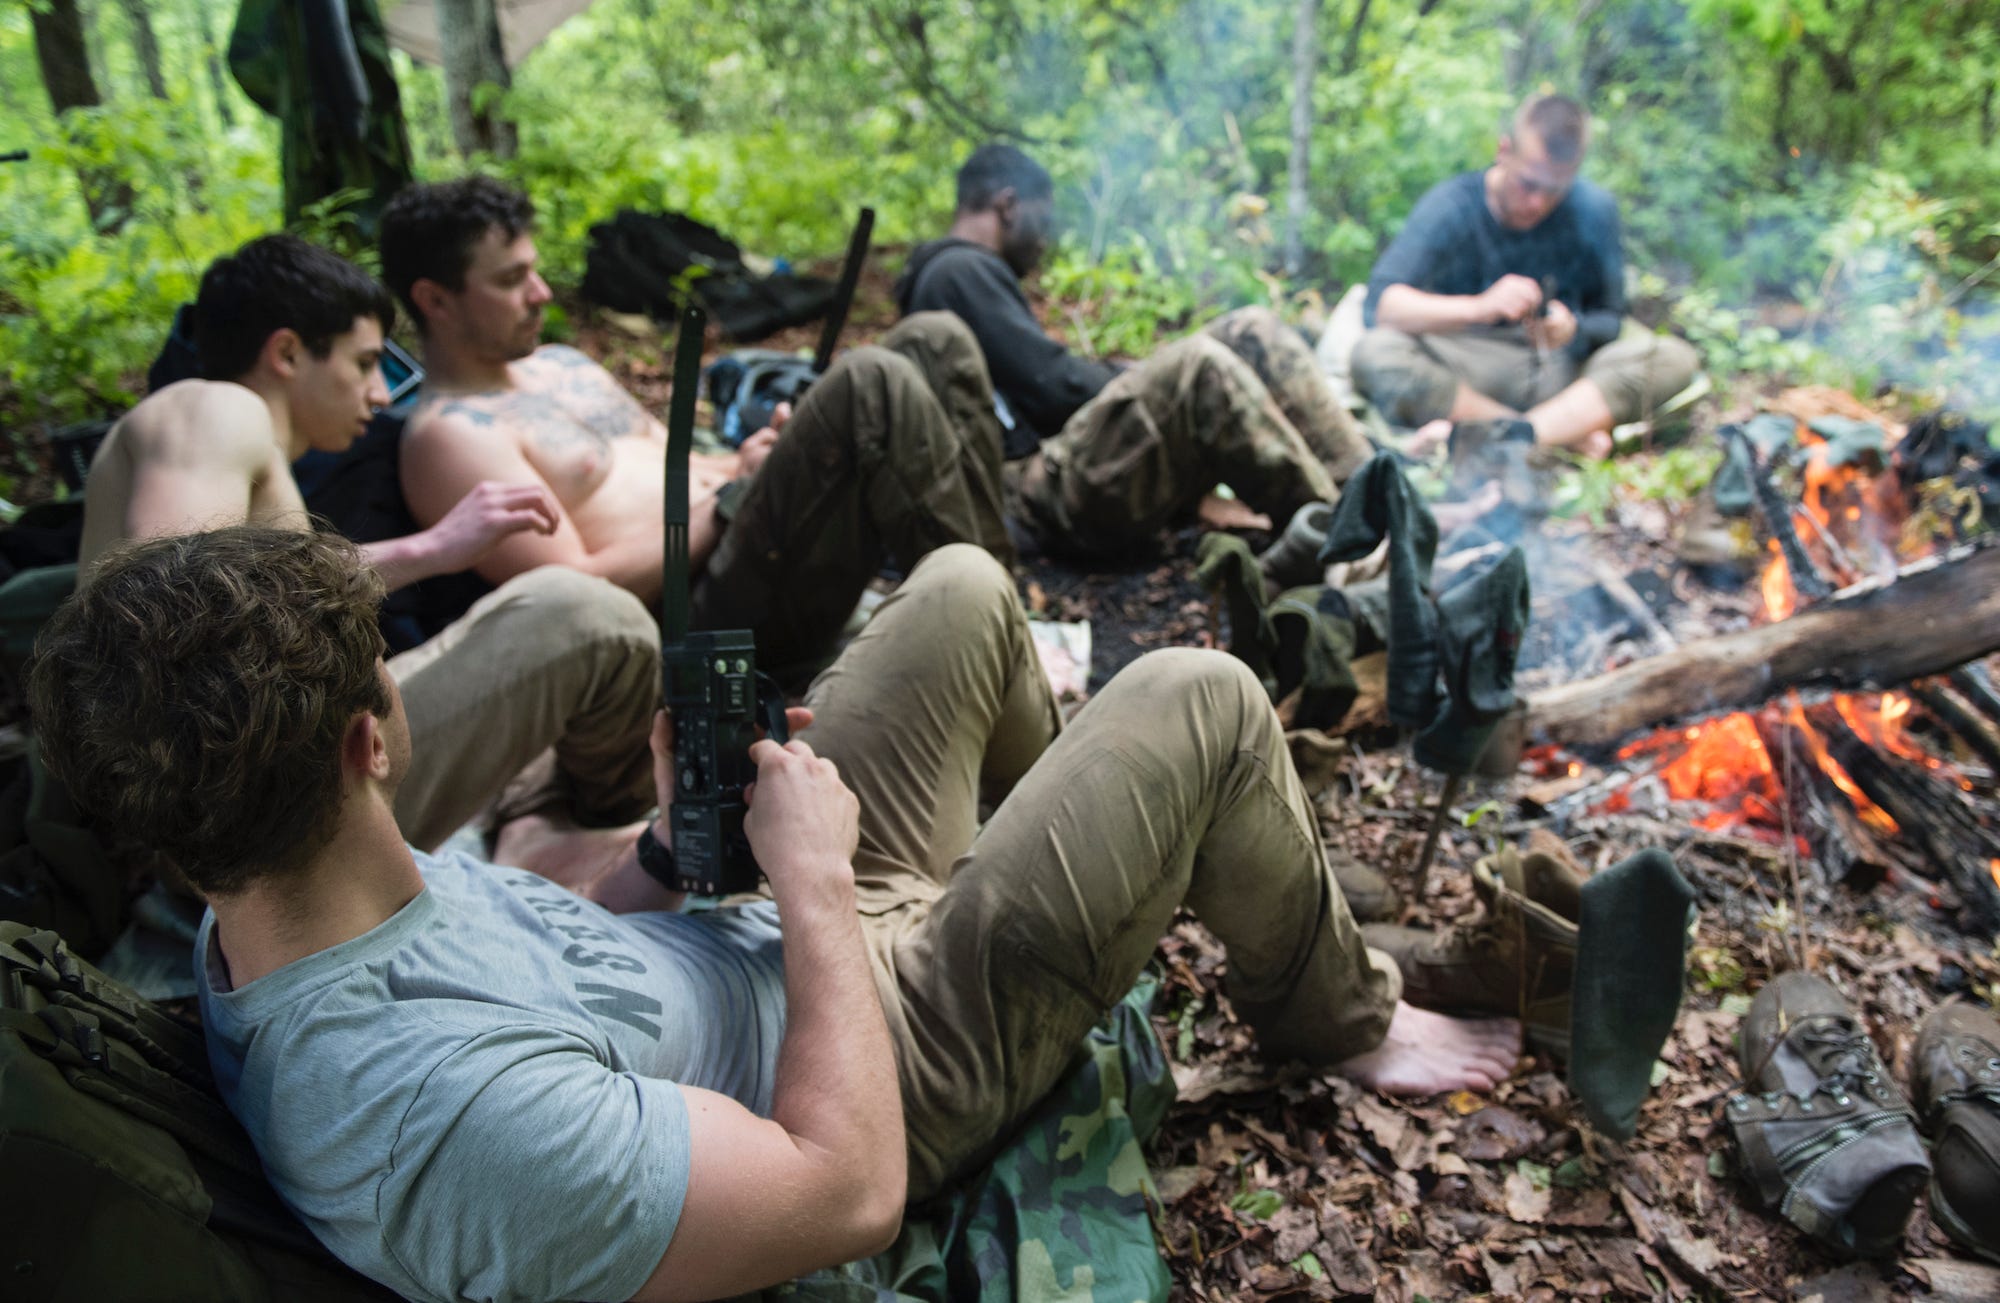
[[1503, 298], [470, 1082]]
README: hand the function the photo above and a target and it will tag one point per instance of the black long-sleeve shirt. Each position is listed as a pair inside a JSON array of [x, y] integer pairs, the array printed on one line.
[[1042, 382], [1452, 244]]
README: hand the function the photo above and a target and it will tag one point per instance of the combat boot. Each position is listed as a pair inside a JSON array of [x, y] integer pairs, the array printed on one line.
[[1826, 1138], [1517, 958], [1293, 561], [1956, 1082]]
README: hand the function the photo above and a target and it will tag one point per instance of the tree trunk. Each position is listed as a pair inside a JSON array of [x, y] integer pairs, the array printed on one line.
[[63, 54], [93, 42], [1933, 618], [146, 45], [212, 56], [469, 31], [1305, 61]]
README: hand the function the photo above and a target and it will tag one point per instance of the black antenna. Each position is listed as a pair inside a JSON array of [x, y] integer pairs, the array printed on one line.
[[674, 605], [843, 294]]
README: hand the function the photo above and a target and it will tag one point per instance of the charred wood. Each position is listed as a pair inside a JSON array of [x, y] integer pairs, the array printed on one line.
[[1934, 617], [1807, 581], [1928, 812], [1965, 723], [1846, 848]]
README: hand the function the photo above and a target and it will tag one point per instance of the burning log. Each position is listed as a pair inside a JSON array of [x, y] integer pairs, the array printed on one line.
[[1849, 850], [1936, 616], [1930, 812], [1806, 577], [1950, 710]]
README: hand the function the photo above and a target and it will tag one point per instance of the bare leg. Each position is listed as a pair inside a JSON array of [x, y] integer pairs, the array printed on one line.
[[1429, 1054], [1468, 404], [1572, 417]]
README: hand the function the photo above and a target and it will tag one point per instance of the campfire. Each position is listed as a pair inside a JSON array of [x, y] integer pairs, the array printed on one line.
[[1867, 584]]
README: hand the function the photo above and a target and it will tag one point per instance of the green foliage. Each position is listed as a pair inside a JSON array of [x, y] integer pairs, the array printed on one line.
[[1836, 155], [1591, 486]]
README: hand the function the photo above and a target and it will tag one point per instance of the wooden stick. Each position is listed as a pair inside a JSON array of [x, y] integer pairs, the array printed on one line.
[[1807, 581]]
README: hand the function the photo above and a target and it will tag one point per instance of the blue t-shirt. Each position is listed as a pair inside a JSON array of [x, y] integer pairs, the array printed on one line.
[[1452, 244], [480, 1098]]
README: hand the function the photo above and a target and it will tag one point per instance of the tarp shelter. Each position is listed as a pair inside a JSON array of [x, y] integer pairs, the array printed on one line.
[[524, 24]]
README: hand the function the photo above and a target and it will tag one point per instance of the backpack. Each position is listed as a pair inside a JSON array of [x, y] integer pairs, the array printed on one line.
[[126, 1178], [650, 263], [746, 387]]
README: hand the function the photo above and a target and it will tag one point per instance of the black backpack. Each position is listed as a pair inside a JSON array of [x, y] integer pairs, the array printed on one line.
[[125, 1176], [650, 262]]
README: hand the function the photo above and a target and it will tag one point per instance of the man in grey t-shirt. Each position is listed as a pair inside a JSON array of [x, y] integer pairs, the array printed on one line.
[[472, 1083]]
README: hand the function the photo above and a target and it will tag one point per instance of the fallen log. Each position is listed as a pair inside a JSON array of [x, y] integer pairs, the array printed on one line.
[[1937, 615]]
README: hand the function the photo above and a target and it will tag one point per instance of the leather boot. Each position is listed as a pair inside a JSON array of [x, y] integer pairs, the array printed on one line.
[[1956, 1082], [1517, 958], [1293, 561], [1826, 1138]]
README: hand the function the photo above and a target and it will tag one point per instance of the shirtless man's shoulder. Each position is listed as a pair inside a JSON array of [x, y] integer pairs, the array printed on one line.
[[194, 455]]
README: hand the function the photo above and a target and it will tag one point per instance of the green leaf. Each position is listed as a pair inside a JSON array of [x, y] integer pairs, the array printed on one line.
[[1538, 1176], [1308, 1263], [1260, 1204]]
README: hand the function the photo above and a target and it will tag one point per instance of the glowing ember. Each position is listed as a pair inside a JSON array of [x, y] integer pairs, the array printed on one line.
[[1871, 814], [1780, 598], [1993, 867]]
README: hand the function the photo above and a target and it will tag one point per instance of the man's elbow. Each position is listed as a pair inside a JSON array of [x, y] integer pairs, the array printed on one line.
[[878, 1220]]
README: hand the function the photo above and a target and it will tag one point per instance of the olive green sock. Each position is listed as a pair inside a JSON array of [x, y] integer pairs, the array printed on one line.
[[1631, 965]]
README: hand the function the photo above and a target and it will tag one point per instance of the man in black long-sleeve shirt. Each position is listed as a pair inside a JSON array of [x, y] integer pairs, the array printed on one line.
[[1101, 457], [1504, 296]]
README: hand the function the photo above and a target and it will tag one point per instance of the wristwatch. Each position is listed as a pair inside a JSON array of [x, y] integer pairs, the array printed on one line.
[[657, 859]]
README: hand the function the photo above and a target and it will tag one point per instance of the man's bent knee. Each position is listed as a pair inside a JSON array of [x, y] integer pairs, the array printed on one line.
[[1393, 370], [1171, 672], [968, 579], [942, 333]]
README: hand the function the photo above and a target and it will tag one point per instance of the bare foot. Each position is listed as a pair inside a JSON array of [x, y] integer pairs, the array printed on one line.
[[1427, 1053], [1596, 444], [1428, 438], [1217, 512], [560, 851]]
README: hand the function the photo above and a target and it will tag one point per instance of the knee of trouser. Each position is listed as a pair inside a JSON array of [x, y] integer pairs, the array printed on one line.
[[1256, 320], [585, 609], [969, 580], [1172, 674], [1392, 370], [943, 333], [1675, 362]]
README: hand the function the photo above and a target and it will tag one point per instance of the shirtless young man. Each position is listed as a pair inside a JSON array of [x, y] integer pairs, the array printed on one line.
[[289, 336], [892, 453]]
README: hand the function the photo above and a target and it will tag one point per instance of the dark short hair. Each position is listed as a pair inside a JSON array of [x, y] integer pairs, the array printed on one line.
[[428, 231], [194, 695], [279, 282], [993, 168], [1559, 122]]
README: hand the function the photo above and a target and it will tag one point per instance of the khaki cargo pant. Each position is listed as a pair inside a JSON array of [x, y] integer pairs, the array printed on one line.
[[893, 452], [1241, 403], [996, 948], [1414, 378], [550, 659]]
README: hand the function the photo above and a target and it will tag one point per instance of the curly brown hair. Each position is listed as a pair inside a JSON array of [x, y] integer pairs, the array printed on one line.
[[194, 696]]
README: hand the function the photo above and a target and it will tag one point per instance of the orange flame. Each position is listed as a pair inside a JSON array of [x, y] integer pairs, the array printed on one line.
[[1871, 814], [1780, 598]]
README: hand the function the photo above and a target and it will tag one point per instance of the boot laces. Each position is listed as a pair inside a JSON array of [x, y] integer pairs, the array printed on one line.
[[1844, 1051]]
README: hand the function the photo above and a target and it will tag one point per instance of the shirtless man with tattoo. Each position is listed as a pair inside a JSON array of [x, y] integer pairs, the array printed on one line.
[[289, 336], [870, 467], [289, 339]]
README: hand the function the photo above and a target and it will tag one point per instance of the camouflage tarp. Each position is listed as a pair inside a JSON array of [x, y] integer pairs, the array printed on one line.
[[1063, 1214]]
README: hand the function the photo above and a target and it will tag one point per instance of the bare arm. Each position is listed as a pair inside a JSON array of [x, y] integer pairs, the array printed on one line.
[[1419, 312], [466, 533], [443, 459], [822, 1181]]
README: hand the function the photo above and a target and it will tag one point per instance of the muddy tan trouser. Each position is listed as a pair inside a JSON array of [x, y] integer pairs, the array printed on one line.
[[995, 949], [1242, 403], [1414, 378], [550, 659], [893, 452]]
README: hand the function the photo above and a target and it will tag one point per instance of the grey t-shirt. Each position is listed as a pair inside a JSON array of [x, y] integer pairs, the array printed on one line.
[[480, 1098]]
